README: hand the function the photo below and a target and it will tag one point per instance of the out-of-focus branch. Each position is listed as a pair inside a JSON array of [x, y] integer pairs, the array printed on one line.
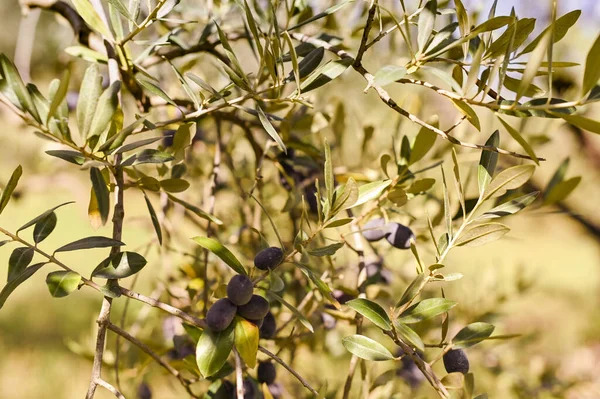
[[79, 26]]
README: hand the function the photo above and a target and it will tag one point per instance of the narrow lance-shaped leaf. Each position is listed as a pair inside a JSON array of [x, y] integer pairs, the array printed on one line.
[[370, 191], [194, 209], [309, 63], [246, 340], [561, 190], [413, 289], [508, 179], [389, 74], [60, 95], [18, 280], [592, 68], [14, 84], [561, 27], [409, 335], [325, 74], [487, 163], [423, 142], [222, 252], [213, 349], [43, 215], [472, 334], [426, 309], [105, 110], [62, 283], [269, 128], [154, 218], [101, 192], [10, 187], [482, 234], [19, 259], [371, 311], [295, 311], [120, 265], [582, 122], [519, 139], [323, 288], [157, 91], [90, 242], [328, 172], [533, 65], [425, 23], [90, 16], [511, 207], [73, 157], [89, 93], [366, 348], [44, 228]]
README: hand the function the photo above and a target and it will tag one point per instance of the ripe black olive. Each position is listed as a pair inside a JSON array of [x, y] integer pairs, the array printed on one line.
[[456, 360], [269, 326], [269, 258], [266, 372], [220, 315], [399, 235], [256, 308], [239, 289]]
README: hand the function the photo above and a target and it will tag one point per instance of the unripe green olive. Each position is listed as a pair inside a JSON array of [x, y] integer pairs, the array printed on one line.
[[239, 289], [456, 360], [220, 315], [269, 258], [257, 308], [374, 230], [399, 235]]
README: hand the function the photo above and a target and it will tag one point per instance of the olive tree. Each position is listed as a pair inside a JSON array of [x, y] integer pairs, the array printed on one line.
[[265, 277]]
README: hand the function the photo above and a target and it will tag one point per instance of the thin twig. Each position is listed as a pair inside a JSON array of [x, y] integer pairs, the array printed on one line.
[[110, 388], [288, 368], [102, 321], [212, 189], [239, 375]]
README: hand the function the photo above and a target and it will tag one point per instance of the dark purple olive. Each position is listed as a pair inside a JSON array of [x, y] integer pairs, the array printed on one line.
[[399, 235], [266, 372], [269, 258], [329, 322], [239, 289], [225, 391], [144, 391], [258, 323], [456, 360], [342, 297], [220, 315], [276, 390], [256, 308], [374, 230], [269, 326], [249, 389]]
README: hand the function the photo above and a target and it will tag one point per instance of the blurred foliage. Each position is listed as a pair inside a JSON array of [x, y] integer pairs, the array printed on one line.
[[179, 105]]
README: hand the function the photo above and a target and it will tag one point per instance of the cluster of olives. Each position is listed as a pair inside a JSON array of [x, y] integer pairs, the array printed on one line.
[[398, 235], [242, 301]]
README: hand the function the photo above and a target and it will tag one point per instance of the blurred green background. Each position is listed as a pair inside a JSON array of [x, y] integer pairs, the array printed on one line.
[[44, 342]]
